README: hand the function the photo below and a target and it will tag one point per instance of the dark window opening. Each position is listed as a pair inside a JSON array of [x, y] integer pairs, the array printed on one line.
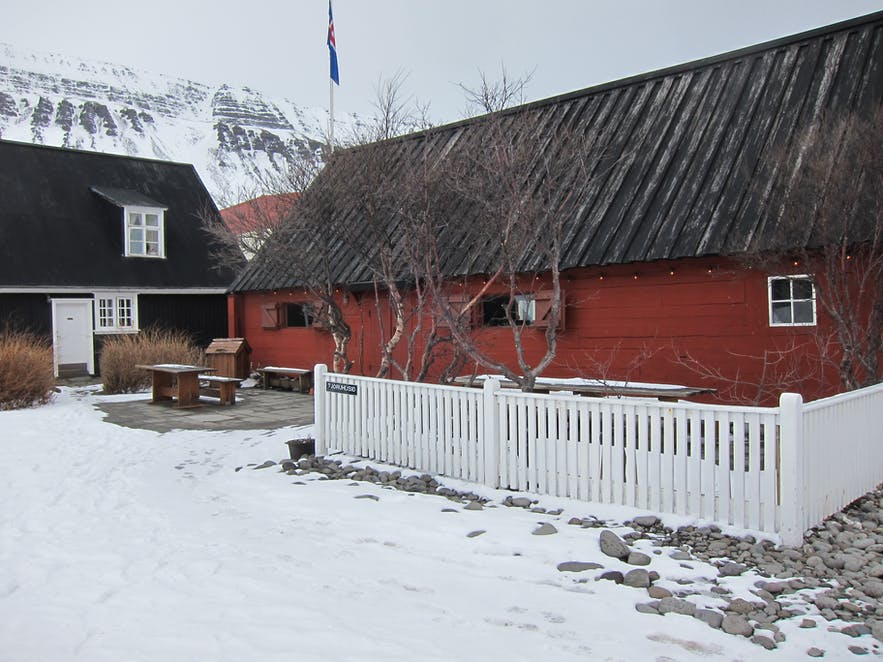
[[298, 314], [493, 310]]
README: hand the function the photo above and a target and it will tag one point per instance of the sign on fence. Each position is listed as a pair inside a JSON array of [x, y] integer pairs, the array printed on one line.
[[337, 387]]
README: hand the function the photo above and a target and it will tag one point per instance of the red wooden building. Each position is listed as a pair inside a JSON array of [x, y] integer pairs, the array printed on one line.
[[678, 262]]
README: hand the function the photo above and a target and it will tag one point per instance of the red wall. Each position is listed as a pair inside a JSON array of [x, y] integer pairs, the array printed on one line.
[[625, 322]]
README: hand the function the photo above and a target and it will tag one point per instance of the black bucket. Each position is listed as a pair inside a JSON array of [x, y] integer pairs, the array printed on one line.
[[297, 448]]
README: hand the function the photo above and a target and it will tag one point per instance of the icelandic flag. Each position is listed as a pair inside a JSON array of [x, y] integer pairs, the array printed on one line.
[[332, 46]]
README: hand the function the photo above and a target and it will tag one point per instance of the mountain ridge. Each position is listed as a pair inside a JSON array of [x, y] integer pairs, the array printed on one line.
[[234, 136]]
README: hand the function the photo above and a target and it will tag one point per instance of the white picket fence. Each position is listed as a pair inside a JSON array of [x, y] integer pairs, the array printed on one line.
[[775, 469]]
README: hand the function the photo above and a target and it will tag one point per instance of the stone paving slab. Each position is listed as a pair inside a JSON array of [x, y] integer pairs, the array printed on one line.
[[255, 409]]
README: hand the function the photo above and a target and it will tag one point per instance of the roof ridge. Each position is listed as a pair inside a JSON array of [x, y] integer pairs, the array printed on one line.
[[691, 65], [62, 148]]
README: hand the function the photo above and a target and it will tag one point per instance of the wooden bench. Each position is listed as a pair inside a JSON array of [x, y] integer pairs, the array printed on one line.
[[287, 378], [223, 388]]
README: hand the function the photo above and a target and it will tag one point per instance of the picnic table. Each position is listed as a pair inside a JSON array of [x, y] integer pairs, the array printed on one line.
[[598, 388], [173, 382]]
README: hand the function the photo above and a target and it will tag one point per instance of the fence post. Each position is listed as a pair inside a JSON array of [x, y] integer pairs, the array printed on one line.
[[791, 470], [319, 408], [491, 432]]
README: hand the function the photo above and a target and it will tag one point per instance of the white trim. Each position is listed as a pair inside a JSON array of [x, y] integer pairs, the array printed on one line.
[[88, 289], [90, 362], [791, 277], [160, 229], [115, 296]]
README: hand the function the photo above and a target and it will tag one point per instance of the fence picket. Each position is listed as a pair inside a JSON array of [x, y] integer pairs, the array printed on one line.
[[584, 466], [708, 452], [642, 457]]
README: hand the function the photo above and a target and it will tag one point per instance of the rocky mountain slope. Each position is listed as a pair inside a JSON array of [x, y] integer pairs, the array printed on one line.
[[234, 136]]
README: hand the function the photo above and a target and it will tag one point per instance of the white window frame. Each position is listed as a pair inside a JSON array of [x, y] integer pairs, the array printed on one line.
[[108, 318], [130, 227], [791, 300]]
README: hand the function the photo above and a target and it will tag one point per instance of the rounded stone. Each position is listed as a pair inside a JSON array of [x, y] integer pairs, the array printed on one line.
[[578, 566], [646, 520], [710, 617], [737, 624], [612, 545], [637, 578], [638, 558], [766, 642], [612, 575], [676, 606]]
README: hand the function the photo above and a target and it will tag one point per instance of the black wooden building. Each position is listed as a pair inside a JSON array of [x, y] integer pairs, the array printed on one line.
[[94, 245]]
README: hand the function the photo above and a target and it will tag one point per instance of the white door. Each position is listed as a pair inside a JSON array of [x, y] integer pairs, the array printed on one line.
[[72, 335]]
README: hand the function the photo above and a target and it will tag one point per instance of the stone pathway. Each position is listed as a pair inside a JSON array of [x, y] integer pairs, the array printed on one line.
[[255, 409]]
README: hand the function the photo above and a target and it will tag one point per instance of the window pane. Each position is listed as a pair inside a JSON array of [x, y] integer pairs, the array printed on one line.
[[135, 219], [105, 313], [781, 313], [152, 242], [124, 313], [802, 289], [780, 289], [526, 309], [151, 219], [803, 312]]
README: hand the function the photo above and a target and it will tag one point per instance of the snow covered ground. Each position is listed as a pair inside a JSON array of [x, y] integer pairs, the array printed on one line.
[[128, 545]]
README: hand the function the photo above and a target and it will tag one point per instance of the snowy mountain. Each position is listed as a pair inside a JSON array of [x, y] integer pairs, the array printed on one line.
[[232, 135]]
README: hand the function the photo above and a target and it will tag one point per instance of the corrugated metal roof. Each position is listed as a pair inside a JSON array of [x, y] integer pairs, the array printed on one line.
[[683, 160]]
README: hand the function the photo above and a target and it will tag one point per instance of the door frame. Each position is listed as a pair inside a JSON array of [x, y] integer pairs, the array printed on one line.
[[89, 304]]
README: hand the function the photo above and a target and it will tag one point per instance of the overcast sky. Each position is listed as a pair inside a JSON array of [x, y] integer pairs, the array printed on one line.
[[279, 47]]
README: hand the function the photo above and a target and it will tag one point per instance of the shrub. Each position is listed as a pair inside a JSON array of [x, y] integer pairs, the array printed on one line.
[[120, 355], [26, 374]]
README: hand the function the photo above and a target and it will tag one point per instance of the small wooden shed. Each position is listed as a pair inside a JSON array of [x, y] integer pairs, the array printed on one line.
[[230, 357]]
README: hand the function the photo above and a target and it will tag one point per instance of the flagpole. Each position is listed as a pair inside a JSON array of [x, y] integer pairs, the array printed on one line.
[[331, 114], [335, 77]]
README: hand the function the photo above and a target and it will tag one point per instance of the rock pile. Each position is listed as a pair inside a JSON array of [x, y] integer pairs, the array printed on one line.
[[840, 561]]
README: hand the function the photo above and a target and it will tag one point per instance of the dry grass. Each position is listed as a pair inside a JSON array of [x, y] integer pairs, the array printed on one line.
[[26, 374], [120, 355]]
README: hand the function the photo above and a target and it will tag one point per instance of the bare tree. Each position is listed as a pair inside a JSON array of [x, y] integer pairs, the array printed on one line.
[[796, 366], [303, 248], [517, 193], [252, 212], [396, 112], [832, 210], [492, 95]]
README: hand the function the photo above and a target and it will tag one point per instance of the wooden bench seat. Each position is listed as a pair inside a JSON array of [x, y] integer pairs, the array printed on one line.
[[289, 379], [223, 388]]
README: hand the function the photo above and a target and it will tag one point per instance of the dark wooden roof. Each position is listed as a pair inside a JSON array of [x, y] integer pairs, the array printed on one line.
[[61, 224], [690, 155], [123, 197]]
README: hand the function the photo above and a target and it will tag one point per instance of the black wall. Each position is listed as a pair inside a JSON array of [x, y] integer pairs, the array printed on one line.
[[204, 317], [26, 312]]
